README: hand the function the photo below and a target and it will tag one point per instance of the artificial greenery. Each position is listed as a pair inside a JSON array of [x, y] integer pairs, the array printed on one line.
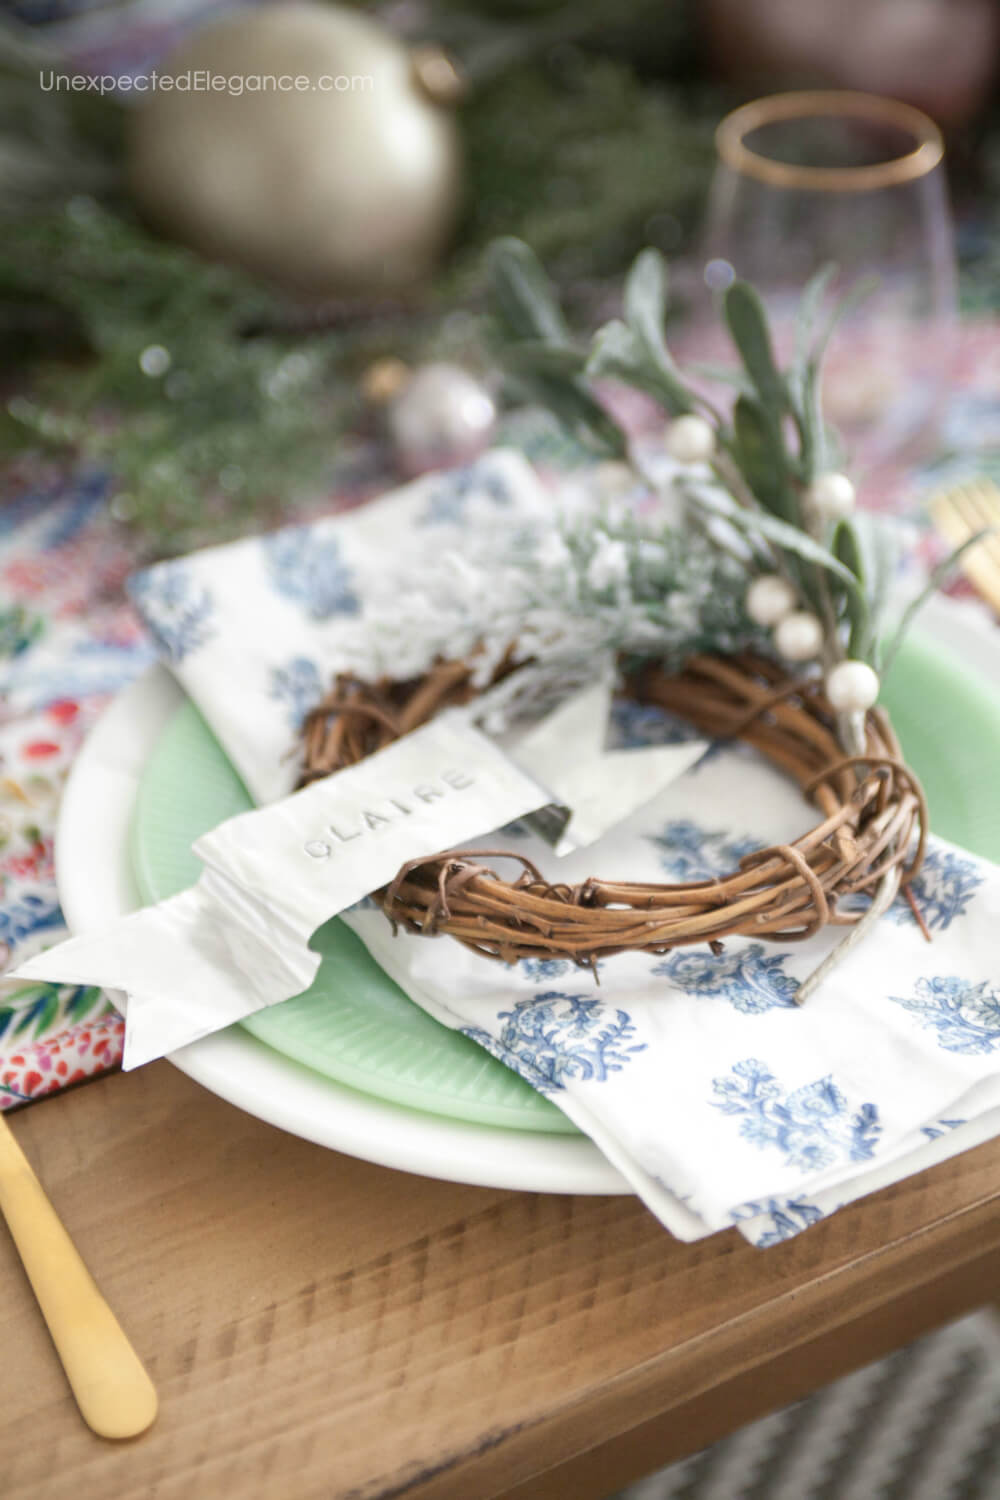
[[571, 149], [769, 448], [586, 162], [196, 417], [564, 591]]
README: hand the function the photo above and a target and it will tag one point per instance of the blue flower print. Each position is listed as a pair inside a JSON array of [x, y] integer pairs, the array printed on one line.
[[518, 829], [634, 726], [553, 1037], [540, 969], [297, 685], [788, 1216], [25, 915], [690, 852], [68, 517], [939, 1128], [751, 979], [965, 1015], [943, 890], [811, 1125], [306, 567], [177, 611], [451, 493]]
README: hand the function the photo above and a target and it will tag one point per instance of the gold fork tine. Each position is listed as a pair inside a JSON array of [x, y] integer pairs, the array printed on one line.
[[958, 514]]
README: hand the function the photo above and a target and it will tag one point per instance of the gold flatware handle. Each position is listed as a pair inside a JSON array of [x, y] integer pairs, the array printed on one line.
[[113, 1391]]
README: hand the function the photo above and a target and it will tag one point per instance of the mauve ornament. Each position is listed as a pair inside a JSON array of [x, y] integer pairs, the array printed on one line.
[[346, 180], [940, 55]]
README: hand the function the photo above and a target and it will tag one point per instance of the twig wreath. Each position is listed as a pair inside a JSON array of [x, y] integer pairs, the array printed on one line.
[[755, 615]]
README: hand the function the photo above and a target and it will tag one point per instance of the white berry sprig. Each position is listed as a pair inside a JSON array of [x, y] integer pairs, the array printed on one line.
[[760, 480]]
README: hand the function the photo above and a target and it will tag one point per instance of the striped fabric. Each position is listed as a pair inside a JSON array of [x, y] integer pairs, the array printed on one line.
[[923, 1424]]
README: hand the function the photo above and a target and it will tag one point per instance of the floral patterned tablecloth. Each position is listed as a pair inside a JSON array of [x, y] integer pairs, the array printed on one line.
[[69, 641]]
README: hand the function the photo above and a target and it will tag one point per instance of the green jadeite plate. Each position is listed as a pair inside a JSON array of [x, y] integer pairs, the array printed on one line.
[[356, 1026]]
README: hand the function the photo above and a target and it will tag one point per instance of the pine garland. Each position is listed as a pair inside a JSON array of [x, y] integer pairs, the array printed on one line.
[[206, 396]]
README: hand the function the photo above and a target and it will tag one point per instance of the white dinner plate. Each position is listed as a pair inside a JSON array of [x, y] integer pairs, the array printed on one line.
[[96, 886]]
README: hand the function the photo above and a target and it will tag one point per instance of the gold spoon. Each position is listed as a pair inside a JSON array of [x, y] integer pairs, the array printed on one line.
[[115, 1395]]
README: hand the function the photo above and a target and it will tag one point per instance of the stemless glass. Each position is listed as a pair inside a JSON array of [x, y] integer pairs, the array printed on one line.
[[805, 179]]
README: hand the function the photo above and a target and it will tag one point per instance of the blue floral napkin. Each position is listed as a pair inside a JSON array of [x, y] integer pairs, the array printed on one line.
[[255, 629], [718, 1097]]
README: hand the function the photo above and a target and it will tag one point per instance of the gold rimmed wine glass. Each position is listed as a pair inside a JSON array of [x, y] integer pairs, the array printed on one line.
[[830, 176]]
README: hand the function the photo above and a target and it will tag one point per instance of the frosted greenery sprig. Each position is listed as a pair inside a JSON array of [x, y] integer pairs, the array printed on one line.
[[588, 580], [759, 480]]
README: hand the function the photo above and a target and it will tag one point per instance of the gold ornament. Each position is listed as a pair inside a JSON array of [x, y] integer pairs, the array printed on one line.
[[305, 143], [437, 74], [383, 380]]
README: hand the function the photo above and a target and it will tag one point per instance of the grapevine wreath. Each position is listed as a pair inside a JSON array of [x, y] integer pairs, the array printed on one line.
[[777, 642]]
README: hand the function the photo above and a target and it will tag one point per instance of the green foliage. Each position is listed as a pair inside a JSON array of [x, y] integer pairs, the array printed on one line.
[[847, 549], [747, 323], [236, 419], [767, 451], [523, 294], [569, 148], [757, 444], [635, 351], [32, 1009], [546, 367], [584, 161], [18, 630]]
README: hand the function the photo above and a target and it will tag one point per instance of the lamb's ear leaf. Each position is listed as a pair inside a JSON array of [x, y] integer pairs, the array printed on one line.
[[645, 299], [760, 455], [645, 304], [614, 353], [880, 550], [810, 302], [574, 408], [537, 357], [793, 539], [523, 296], [747, 322], [846, 546], [617, 353]]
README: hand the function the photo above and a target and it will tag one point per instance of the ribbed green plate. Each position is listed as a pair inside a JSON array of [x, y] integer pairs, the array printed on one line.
[[356, 1026]]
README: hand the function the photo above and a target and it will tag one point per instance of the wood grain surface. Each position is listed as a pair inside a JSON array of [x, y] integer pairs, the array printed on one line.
[[329, 1330]]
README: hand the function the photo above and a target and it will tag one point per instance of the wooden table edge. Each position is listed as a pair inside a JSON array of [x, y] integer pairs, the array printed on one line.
[[622, 1430]]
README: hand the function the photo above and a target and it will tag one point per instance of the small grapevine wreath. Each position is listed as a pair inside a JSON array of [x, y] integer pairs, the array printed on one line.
[[871, 804], [781, 646]]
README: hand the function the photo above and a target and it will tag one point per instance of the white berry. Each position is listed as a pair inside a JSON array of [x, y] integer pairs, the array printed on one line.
[[799, 636], [769, 599], [831, 496], [852, 686], [690, 440]]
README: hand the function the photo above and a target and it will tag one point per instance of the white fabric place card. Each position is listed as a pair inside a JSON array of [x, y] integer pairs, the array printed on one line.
[[304, 859], [239, 939]]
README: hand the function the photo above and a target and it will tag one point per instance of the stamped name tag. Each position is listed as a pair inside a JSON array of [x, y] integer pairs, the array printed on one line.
[[322, 849], [238, 940]]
